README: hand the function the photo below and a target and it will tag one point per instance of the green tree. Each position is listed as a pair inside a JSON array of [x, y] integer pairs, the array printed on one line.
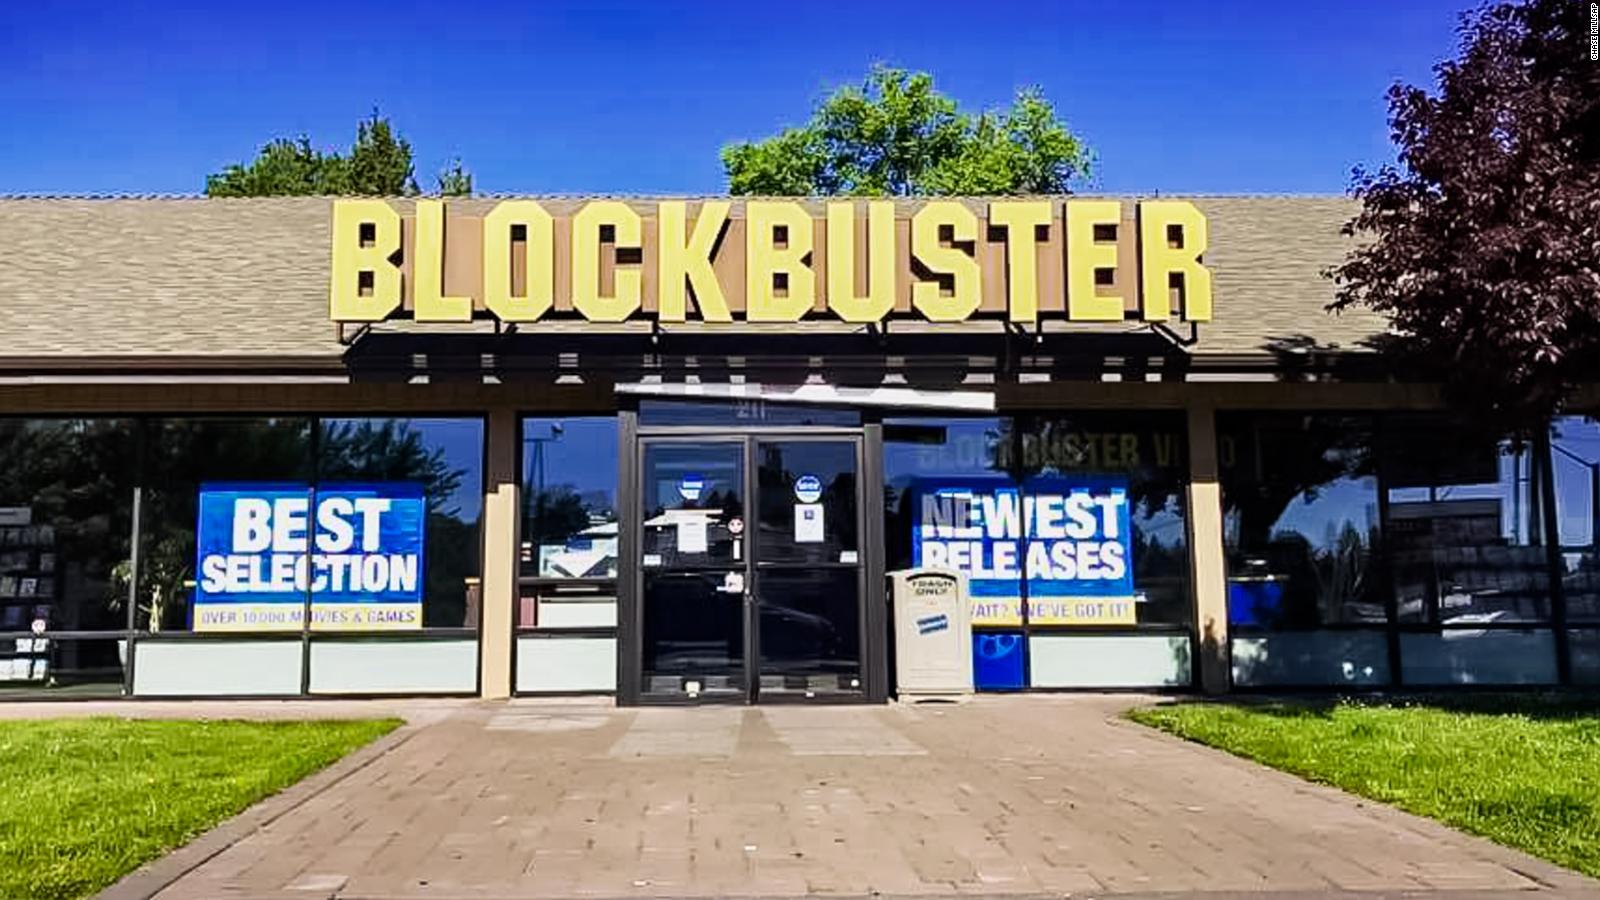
[[379, 164], [1481, 243], [896, 135], [454, 180], [285, 167]]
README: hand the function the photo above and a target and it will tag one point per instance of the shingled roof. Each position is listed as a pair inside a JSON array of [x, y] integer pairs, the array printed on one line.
[[191, 277]]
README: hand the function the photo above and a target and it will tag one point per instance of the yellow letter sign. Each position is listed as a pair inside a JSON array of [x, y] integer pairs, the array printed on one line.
[[685, 263], [539, 291], [941, 273], [356, 260], [1020, 218], [966, 278], [428, 300], [764, 261], [627, 284], [842, 297], [1085, 255], [1159, 260]]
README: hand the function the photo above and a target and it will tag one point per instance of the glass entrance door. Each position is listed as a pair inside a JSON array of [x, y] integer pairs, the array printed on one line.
[[751, 573], [808, 571], [694, 569]]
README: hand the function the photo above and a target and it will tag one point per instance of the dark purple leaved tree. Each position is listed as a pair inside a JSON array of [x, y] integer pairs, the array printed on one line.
[[1483, 243]]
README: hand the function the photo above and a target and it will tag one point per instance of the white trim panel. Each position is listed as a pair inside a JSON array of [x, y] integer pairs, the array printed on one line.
[[555, 665]]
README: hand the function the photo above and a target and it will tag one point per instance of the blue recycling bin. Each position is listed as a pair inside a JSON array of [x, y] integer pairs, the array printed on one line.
[[1255, 600], [999, 661]]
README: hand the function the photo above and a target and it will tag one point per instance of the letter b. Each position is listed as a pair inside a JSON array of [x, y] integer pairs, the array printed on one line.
[[252, 525]]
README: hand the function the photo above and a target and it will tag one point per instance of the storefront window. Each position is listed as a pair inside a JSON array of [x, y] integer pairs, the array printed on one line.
[[1300, 500], [1069, 527], [183, 456], [395, 524], [234, 528], [570, 526], [1074, 617], [1465, 525], [922, 457], [396, 459], [1575, 442], [1334, 520], [1145, 454], [66, 495], [921, 450]]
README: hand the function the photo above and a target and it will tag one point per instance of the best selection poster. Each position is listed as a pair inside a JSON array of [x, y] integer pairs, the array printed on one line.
[[1068, 538], [259, 547]]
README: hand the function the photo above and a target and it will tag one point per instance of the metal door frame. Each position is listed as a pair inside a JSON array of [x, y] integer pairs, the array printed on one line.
[[755, 565], [871, 613]]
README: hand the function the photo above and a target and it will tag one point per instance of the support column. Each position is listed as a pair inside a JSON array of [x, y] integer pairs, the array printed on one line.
[[502, 518], [1207, 558]]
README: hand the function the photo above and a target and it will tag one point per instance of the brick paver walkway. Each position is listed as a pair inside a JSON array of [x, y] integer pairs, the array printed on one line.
[[1004, 795]]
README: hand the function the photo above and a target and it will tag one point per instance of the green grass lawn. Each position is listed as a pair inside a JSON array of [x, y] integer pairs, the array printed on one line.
[[85, 801], [1521, 770]]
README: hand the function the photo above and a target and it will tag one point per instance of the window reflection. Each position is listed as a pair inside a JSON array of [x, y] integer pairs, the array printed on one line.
[[693, 634], [1584, 646], [441, 456], [915, 449], [66, 494], [569, 527], [1465, 525], [1146, 450], [182, 455], [1149, 450], [1575, 441], [570, 485], [810, 631], [780, 468], [444, 457], [1300, 500], [693, 505]]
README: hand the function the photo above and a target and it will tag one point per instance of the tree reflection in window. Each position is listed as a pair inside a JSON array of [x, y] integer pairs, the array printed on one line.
[[66, 492], [1300, 499], [443, 456], [1149, 449], [569, 528], [181, 455]]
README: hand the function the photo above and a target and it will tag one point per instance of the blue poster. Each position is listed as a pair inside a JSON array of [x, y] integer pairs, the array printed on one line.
[[1069, 538], [364, 569]]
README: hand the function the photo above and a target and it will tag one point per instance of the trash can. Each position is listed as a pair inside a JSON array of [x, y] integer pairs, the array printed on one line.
[[933, 633]]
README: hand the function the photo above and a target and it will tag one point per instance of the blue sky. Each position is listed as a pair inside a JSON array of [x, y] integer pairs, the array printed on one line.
[[541, 96]]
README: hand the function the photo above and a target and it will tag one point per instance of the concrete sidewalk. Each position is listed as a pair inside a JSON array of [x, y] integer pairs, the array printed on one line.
[[1033, 795]]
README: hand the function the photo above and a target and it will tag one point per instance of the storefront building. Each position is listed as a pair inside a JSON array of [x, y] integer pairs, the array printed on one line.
[[668, 450]]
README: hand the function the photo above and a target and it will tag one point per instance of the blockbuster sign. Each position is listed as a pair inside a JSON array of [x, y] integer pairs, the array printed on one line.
[[1069, 539], [364, 574]]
